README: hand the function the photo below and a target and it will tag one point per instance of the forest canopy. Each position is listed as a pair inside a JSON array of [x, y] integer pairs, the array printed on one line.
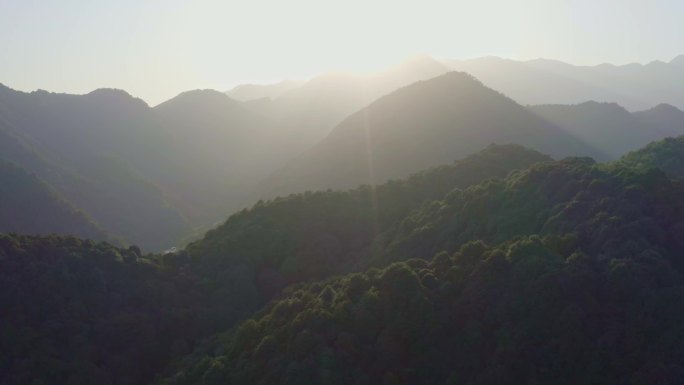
[[506, 266]]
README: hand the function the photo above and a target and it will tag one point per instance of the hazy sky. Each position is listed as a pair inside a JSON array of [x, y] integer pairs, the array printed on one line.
[[155, 49]]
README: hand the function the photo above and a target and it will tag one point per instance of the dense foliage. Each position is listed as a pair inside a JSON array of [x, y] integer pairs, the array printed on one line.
[[504, 267], [585, 286], [91, 313], [666, 154], [314, 235], [613, 210], [79, 312], [532, 311]]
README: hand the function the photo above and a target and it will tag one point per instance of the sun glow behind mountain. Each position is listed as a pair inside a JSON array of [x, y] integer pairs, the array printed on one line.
[[156, 49]]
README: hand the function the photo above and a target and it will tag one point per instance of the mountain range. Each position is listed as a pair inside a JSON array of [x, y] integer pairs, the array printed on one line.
[[158, 176], [247, 92], [634, 86], [453, 115], [86, 147], [312, 109], [611, 128]]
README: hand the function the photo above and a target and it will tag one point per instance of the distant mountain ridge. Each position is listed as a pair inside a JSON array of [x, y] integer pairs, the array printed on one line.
[[146, 175], [542, 81], [88, 148], [313, 108], [425, 124], [247, 92], [611, 128], [152, 176], [218, 144]]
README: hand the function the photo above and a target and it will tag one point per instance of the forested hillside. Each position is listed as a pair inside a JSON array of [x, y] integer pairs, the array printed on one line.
[[505, 266], [317, 234], [341, 193], [666, 155], [75, 311], [579, 285], [532, 310], [78, 311], [126, 316]]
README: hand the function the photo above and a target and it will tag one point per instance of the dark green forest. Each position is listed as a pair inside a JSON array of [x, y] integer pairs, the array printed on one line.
[[503, 267], [582, 284], [317, 234], [530, 311], [666, 155], [75, 311]]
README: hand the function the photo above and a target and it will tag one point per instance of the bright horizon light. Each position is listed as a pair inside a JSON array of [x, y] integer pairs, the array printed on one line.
[[156, 49]]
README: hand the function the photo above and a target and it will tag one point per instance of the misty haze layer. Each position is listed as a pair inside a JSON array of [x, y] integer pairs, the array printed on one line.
[[155, 176]]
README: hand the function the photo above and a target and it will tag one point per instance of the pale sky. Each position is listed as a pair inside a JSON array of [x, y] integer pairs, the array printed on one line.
[[155, 49]]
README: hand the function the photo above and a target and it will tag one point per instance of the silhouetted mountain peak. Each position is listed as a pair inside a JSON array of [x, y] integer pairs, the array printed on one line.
[[436, 87], [421, 63], [588, 106], [113, 93], [492, 58], [609, 126], [42, 92], [332, 78], [486, 61], [666, 108], [608, 66], [666, 118], [424, 124], [662, 111], [543, 63], [679, 60], [655, 63], [206, 98], [450, 79], [249, 92], [207, 94], [115, 97], [593, 105]]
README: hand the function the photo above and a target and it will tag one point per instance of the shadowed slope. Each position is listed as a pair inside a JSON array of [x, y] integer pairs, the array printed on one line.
[[428, 123]]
